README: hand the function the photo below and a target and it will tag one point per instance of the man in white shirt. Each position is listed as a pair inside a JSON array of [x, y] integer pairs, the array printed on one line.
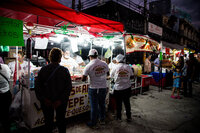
[[122, 74], [97, 70], [68, 62], [112, 64]]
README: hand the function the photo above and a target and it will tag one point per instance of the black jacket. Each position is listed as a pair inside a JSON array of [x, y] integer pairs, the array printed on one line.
[[58, 87]]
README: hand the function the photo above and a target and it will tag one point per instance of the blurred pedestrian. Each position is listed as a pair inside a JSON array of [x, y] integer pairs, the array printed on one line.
[[184, 83], [198, 70], [5, 97], [122, 87], [53, 86], [191, 69], [97, 70]]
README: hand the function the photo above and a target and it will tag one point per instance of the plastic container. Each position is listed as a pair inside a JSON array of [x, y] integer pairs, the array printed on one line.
[[32, 81]]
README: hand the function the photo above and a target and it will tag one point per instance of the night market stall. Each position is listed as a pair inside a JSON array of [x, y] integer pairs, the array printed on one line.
[[44, 24], [139, 43]]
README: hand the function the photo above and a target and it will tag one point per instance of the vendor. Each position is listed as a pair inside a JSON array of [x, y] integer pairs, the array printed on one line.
[[68, 61], [147, 65], [23, 65], [78, 59], [112, 64], [157, 63]]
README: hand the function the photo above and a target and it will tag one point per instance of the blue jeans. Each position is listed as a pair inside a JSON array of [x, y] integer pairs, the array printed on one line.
[[97, 102]]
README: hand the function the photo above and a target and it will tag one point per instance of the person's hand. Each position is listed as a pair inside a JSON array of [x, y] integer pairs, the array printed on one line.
[[47, 102], [108, 78], [56, 104]]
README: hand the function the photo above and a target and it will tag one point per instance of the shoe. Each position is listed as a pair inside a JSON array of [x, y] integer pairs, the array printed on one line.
[[178, 97], [92, 125], [102, 122], [129, 119], [173, 97], [118, 119]]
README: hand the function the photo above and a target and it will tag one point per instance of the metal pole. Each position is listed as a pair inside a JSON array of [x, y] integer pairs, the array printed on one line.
[[17, 62], [102, 53], [145, 17]]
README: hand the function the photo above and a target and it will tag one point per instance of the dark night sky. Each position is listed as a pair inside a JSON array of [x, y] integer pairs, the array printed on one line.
[[190, 6]]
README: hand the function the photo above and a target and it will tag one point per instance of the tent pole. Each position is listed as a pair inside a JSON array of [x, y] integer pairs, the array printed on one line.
[[102, 53], [17, 62]]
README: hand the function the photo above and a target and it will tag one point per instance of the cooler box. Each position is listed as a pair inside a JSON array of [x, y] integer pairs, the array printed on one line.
[[146, 80]]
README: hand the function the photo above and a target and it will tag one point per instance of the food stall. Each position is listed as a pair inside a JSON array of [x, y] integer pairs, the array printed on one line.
[[170, 55], [139, 43], [53, 21]]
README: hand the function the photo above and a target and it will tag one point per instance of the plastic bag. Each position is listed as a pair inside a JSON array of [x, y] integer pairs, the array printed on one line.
[[139, 69], [17, 100], [15, 107], [135, 68]]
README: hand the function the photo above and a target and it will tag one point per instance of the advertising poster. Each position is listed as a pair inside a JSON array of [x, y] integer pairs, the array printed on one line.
[[140, 43]]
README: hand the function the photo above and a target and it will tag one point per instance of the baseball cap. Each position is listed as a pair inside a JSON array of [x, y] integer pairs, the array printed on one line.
[[120, 58], [93, 52]]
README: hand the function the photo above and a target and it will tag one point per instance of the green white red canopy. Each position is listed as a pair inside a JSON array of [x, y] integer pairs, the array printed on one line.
[[52, 13]]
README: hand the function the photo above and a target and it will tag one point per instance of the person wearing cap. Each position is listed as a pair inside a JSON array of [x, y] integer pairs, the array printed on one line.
[[98, 71], [122, 74], [112, 64]]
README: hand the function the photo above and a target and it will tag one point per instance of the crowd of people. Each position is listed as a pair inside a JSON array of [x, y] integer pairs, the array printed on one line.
[[53, 84], [185, 73]]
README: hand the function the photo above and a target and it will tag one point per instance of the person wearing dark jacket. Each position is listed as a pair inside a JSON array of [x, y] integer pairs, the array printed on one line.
[[191, 70], [53, 87]]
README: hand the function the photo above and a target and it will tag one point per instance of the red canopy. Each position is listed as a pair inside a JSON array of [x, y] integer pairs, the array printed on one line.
[[52, 13]]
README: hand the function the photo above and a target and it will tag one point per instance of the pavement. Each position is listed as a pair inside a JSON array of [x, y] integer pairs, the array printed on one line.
[[152, 112]]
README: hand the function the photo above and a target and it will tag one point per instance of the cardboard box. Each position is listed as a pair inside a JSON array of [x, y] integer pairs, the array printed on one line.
[[12, 51], [13, 48]]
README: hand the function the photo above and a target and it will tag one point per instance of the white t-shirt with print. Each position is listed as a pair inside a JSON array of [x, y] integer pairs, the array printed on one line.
[[4, 85], [121, 74], [97, 71]]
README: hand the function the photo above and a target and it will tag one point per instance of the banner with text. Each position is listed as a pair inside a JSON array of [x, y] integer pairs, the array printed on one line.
[[11, 32]]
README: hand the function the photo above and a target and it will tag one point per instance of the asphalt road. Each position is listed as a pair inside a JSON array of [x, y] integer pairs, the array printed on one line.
[[152, 112]]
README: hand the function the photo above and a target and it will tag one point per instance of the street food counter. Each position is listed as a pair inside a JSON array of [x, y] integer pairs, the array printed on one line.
[[78, 103]]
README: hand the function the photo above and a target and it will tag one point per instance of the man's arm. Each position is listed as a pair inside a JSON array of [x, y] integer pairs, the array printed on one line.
[[84, 78]]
